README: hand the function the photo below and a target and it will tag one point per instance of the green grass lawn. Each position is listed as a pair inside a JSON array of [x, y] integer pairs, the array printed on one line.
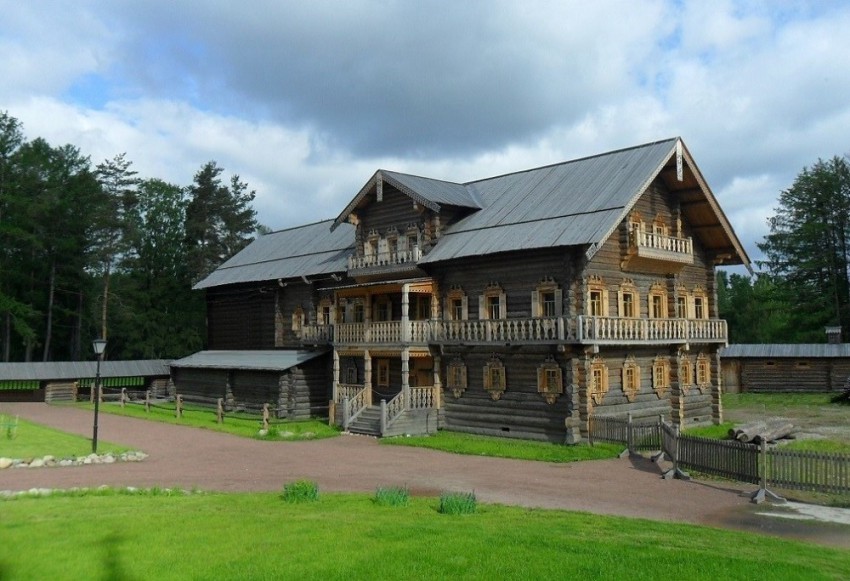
[[239, 424], [35, 441], [775, 400], [461, 443], [260, 536]]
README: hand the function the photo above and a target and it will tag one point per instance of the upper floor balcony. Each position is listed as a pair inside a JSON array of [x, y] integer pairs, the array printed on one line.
[[658, 246], [582, 329]]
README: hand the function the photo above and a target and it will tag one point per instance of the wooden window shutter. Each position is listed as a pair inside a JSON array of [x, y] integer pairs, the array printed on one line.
[[463, 377], [536, 311], [541, 379], [620, 307], [559, 302], [487, 377], [503, 305], [605, 303], [465, 308], [482, 307]]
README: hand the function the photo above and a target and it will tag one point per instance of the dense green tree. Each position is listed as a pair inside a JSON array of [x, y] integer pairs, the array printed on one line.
[[220, 220], [756, 309], [807, 253]]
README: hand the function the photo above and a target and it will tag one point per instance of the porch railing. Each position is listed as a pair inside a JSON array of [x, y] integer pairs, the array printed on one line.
[[528, 330], [353, 407], [385, 259], [317, 333]]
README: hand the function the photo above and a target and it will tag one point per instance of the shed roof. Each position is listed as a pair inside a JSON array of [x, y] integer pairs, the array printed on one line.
[[790, 350], [68, 370], [308, 250], [255, 360]]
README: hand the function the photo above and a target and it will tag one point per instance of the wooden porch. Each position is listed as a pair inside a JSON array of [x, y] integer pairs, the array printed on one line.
[[412, 411]]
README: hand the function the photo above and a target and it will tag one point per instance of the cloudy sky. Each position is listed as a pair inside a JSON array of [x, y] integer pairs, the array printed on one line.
[[305, 100]]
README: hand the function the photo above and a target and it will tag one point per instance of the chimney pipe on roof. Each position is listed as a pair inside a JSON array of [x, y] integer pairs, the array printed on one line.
[[833, 335]]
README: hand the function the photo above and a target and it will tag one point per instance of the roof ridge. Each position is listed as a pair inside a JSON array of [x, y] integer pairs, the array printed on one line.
[[290, 228], [569, 161]]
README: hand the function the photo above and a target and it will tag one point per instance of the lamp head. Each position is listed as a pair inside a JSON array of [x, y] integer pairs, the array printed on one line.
[[99, 346]]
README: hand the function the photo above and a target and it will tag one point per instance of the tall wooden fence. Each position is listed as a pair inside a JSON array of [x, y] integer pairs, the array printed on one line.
[[799, 470]]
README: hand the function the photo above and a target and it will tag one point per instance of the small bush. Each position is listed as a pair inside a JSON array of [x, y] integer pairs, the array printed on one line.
[[457, 503], [301, 491], [392, 496]]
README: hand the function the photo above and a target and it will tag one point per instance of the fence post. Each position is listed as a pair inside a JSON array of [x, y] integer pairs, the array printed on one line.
[[629, 435], [266, 417], [675, 471], [219, 411], [123, 397], [148, 401], [660, 454], [179, 406], [383, 416], [763, 493]]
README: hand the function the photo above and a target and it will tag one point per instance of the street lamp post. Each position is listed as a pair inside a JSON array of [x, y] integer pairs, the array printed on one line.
[[99, 346]]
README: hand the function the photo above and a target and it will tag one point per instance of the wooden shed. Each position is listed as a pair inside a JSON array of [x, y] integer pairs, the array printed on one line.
[[294, 383], [785, 368]]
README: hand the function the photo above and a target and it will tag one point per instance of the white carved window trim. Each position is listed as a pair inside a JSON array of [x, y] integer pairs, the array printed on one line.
[[657, 301], [456, 294], [699, 303], [628, 300]]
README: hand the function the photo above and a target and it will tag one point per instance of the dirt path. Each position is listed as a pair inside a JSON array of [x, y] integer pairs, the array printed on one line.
[[189, 457]]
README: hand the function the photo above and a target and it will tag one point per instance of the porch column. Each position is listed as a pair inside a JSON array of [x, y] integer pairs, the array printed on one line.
[[405, 376], [335, 383], [438, 384], [367, 318], [367, 376], [405, 320]]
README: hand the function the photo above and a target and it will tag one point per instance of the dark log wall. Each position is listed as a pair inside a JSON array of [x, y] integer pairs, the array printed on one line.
[[306, 390], [243, 316], [791, 374], [202, 385], [520, 412]]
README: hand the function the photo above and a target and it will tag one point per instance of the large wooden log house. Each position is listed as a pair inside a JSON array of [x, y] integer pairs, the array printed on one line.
[[519, 305]]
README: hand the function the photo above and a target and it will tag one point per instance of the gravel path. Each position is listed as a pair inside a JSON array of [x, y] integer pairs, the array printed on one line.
[[188, 457]]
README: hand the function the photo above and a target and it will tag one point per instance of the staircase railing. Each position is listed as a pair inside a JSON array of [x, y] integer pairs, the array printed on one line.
[[353, 407]]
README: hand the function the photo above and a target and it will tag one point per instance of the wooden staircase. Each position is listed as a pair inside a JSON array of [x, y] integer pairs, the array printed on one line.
[[410, 422], [368, 422]]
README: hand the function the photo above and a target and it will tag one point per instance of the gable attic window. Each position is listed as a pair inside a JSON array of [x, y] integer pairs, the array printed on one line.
[[657, 302], [628, 298], [597, 297], [659, 228], [493, 303], [631, 378], [546, 299]]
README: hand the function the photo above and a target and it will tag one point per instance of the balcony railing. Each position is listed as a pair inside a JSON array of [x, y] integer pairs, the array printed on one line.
[[663, 247], [581, 329], [380, 259], [616, 330]]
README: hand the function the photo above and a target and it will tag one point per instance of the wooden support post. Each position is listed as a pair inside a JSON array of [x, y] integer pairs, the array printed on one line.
[[123, 397], [383, 416], [367, 376], [405, 376], [266, 417], [148, 401], [219, 410], [763, 493], [178, 408]]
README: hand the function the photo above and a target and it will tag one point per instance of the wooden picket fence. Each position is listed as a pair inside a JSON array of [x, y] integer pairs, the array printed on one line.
[[799, 470]]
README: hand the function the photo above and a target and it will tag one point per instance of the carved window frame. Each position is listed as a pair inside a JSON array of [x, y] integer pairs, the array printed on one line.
[[631, 378], [703, 372], [412, 237], [543, 308], [456, 377], [372, 245], [659, 226], [596, 297], [656, 301], [493, 292], [628, 300], [456, 298], [686, 373], [597, 380], [382, 308], [682, 303], [325, 312], [635, 223], [550, 380], [661, 375], [699, 304], [495, 379], [382, 372]]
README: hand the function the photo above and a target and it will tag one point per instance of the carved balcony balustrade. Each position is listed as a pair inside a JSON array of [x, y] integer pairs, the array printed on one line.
[[625, 331], [655, 246]]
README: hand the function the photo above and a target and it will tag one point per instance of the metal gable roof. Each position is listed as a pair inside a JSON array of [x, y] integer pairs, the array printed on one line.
[[302, 251], [256, 360], [572, 203], [779, 351], [55, 370], [437, 191]]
